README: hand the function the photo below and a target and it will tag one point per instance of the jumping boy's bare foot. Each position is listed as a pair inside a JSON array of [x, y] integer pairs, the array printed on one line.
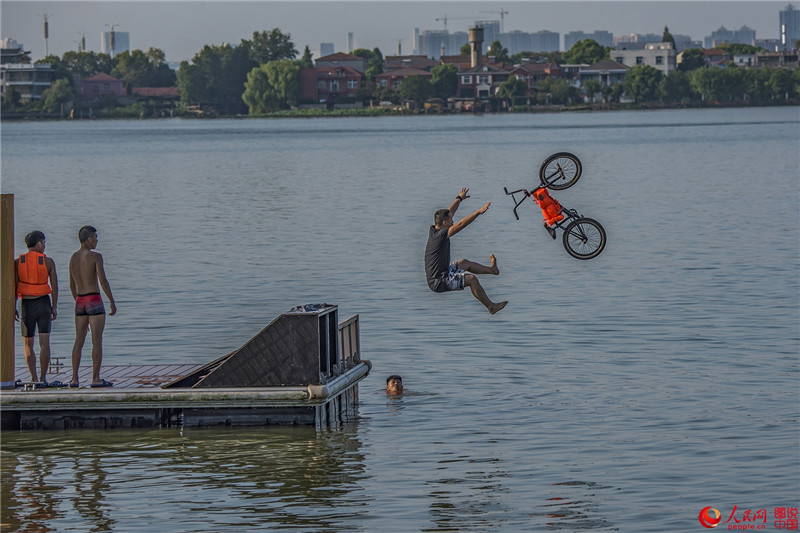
[[496, 307], [493, 266]]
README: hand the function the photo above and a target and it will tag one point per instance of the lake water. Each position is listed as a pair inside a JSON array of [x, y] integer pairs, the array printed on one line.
[[623, 393]]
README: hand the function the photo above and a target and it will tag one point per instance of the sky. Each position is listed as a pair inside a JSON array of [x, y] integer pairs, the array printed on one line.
[[182, 28]]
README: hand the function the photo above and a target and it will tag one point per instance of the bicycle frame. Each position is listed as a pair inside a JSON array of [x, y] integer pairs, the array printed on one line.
[[569, 214]]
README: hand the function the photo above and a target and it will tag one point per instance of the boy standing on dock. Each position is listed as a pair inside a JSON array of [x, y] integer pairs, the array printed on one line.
[[445, 276], [32, 271], [86, 276]]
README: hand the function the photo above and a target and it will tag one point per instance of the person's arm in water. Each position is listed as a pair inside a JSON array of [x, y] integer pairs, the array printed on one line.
[[467, 220]]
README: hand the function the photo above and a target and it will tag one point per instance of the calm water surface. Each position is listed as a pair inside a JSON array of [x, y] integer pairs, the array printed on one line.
[[625, 393]]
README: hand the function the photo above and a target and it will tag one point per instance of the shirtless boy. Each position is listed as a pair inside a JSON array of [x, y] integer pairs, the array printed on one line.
[[86, 276]]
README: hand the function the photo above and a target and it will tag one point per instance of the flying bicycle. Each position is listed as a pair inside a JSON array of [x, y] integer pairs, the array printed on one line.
[[584, 238]]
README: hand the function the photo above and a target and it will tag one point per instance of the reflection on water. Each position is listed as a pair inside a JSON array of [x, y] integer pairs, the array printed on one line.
[[292, 477], [620, 393]]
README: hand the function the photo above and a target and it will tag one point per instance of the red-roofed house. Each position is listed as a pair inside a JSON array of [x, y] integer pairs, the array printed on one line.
[[359, 64], [100, 85], [330, 85], [392, 80], [535, 73]]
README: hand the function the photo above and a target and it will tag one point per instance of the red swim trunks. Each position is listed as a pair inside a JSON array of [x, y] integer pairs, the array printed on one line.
[[89, 304]]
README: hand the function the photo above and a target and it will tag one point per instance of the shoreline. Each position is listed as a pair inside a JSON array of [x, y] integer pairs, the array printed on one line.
[[395, 111]]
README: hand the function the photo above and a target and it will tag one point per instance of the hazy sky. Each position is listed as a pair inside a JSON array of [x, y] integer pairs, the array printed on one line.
[[182, 28]]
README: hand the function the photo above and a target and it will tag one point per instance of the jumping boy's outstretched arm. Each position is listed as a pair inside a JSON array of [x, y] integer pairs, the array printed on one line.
[[462, 195], [467, 220]]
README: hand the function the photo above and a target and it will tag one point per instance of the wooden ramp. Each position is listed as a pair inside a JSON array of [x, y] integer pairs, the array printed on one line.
[[321, 391]]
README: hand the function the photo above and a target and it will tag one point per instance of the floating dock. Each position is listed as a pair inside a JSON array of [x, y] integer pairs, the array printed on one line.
[[302, 369]]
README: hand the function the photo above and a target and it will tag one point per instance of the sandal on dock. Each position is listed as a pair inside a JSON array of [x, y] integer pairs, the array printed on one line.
[[103, 383]]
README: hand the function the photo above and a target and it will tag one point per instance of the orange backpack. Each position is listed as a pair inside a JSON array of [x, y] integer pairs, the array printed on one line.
[[551, 209]]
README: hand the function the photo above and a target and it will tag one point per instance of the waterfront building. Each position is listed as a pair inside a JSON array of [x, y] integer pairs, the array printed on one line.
[[359, 64], [391, 63], [101, 85], [789, 29], [783, 59], [607, 71], [393, 79], [535, 73], [114, 42], [658, 55], [480, 80], [27, 80], [330, 85]]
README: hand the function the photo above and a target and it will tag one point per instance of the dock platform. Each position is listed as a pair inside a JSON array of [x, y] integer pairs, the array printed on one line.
[[259, 384]]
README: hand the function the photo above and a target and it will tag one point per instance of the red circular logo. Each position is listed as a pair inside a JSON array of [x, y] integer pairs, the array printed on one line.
[[707, 520]]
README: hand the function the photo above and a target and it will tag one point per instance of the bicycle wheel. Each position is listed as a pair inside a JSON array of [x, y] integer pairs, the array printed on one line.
[[560, 171], [584, 238]]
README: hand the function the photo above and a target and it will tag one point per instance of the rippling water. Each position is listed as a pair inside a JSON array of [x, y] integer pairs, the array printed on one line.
[[624, 393]]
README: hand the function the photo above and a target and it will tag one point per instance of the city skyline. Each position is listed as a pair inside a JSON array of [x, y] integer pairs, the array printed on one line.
[[181, 29]]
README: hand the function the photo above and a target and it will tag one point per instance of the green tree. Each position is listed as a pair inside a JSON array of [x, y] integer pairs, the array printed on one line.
[[465, 50], [736, 49], [499, 53], [86, 64], [139, 69], [415, 88], [512, 88], [445, 80], [692, 59], [60, 92], [272, 86], [307, 60], [781, 84], [272, 45], [592, 86], [216, 77], [374, 59], [709, 83], [642, 83], [675, 88], [11, 98], [587, 51], [668, 38], [536, 57], [60, 70]]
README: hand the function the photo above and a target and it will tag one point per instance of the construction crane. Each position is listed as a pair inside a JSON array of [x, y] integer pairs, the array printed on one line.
[[502, 13], [445, 18]]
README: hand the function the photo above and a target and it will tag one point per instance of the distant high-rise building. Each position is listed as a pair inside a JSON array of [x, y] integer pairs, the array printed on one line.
[[431, 43], [603, 38], [491, 32], [789, 27], [545, 41], [743, 35], [350, 44], [325, 49], [114, 42]]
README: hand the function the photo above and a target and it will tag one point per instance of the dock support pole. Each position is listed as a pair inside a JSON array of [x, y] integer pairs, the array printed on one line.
[[7, 296]]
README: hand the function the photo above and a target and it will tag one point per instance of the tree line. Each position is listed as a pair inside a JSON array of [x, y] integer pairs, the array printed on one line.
[[261, 75]]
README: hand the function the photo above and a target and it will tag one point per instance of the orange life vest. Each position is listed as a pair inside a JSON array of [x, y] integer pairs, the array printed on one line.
[[32, 274], [551, 209]]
